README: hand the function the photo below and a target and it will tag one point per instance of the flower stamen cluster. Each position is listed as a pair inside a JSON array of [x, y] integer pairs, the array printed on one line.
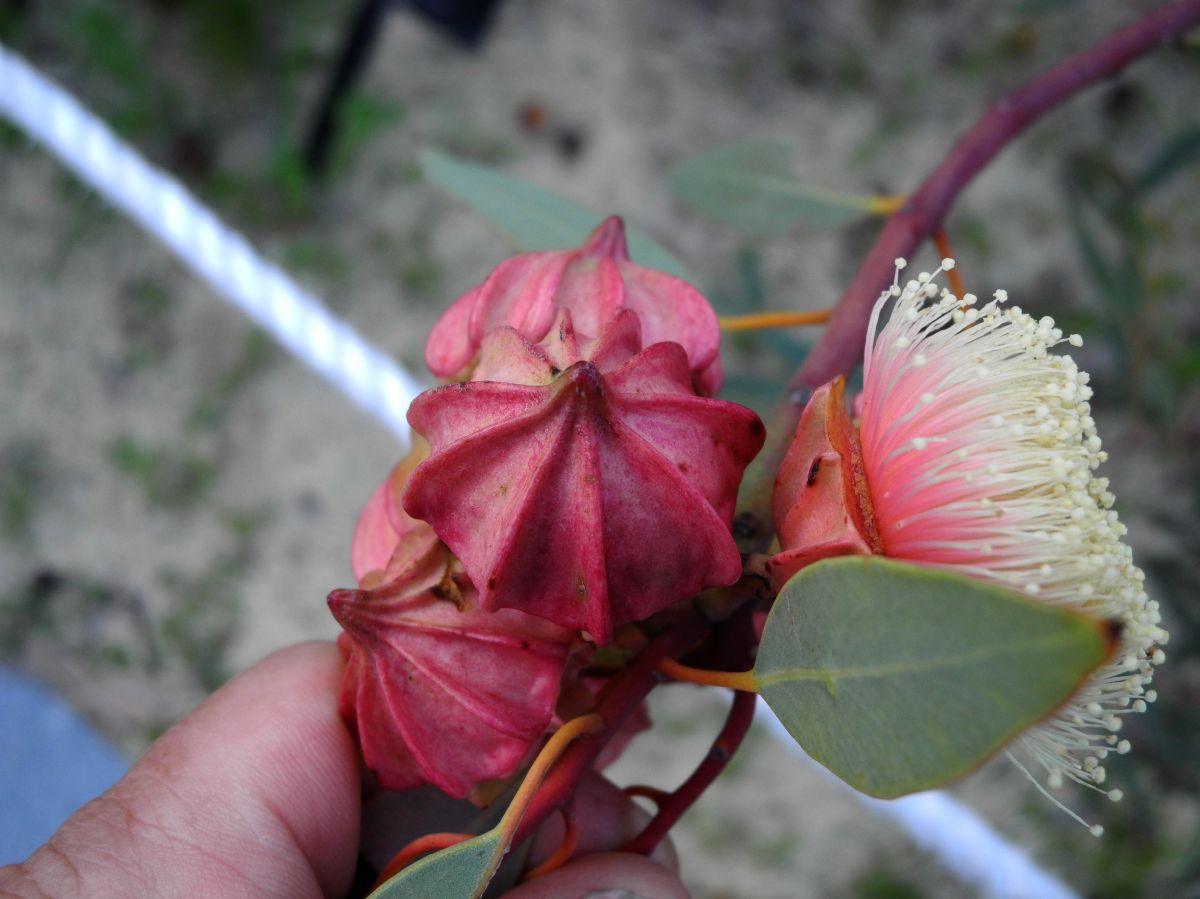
[[980, 452]]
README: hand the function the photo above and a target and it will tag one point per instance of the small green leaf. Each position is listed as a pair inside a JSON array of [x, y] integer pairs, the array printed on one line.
[[750, 185], [899, 678], [532, 217], [459, 872]]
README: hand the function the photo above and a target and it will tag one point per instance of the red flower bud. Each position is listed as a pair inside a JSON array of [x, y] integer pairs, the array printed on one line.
[[441, 694], [384, 522], [586, 483], [821, 504], [594, 283]]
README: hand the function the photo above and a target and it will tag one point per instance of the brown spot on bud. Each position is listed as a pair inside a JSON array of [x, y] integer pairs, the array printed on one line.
[[812, 472]]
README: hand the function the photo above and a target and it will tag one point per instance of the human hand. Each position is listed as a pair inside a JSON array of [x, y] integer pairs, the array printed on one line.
[[257, 794]]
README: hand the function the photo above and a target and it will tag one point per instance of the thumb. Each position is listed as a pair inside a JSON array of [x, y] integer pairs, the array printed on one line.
[[254, 794]]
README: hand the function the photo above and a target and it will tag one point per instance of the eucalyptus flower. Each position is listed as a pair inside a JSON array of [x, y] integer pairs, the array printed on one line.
[[976, 451]]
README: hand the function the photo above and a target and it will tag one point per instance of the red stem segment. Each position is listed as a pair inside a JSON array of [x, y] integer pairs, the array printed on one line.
[[628, 689], [840, 347], [672, 807], [562, 854]]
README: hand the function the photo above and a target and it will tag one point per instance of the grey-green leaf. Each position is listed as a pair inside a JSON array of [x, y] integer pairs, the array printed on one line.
[[900, 678], [750, 185], [460, 872], [532, 217]]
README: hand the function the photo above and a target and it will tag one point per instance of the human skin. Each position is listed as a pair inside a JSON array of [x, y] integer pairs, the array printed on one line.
[[257, 794]]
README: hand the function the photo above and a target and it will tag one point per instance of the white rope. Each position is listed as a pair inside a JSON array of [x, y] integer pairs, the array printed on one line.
[[950, 831], [219, 255], [223, 258]]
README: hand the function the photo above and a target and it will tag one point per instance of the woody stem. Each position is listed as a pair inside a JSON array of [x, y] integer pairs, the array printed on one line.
[[840, 348], [672, 807]]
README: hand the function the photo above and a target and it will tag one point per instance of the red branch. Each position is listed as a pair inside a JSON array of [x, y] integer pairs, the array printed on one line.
[[628, 689], [840, 347], [672, 807]]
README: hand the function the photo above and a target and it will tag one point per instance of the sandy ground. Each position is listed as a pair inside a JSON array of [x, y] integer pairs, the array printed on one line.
[[191, 490]]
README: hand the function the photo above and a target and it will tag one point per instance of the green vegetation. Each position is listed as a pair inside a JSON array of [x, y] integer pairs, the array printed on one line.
[[23, 481], [171, 479]]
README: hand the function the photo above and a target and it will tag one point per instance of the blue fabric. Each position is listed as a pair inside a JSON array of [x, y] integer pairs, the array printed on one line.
[[51, 763]]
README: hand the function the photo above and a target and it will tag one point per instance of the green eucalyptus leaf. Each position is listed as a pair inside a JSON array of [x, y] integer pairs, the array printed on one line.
[[899, 678], [459, 872], [750, 185], [532, 217]]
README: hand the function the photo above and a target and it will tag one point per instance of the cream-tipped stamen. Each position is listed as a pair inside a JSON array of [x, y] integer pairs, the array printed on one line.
[[980, 450]]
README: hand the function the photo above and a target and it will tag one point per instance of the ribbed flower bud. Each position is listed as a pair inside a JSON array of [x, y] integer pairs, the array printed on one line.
[[583, 480], [594, 283], [383, 522], [438, 691]]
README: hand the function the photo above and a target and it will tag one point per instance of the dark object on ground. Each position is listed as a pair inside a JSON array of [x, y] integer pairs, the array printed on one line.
[[465, 20]]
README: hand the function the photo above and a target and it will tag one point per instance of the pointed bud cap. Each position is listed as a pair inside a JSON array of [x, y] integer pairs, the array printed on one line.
[[441, 694], [586, 483], [821, 504], [594, 283], [383, 522]]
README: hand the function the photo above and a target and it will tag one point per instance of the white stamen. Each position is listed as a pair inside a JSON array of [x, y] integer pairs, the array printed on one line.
[[1009, 449]]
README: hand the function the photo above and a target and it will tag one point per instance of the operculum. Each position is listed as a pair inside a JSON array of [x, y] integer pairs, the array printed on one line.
[[821, 503]]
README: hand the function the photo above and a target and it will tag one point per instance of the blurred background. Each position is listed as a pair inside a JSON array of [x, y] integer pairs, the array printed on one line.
[[177, 494]]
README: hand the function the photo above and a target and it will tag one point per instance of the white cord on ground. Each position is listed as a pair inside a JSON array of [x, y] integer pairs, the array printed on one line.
[[221, 256], [954, 834], [935, 821]]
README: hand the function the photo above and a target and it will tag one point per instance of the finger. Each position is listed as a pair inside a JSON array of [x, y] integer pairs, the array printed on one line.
[[254, 794], [622, 872]]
